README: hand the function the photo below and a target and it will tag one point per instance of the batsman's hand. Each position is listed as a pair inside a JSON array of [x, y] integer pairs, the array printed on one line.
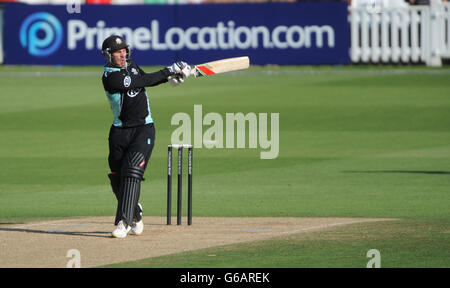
[[180, 68], [175, 80]]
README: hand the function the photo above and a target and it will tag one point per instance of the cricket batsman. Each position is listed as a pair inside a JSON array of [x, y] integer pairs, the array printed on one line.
[[132, 133]]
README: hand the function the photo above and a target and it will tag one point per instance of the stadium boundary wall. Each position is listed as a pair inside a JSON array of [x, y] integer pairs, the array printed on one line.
[[411, 34], [1, 35], [303, 33]]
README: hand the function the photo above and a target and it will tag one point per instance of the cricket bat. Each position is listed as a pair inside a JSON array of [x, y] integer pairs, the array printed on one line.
[[220, 66]]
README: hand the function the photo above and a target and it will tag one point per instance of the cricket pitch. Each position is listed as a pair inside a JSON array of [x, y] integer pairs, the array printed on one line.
[[46, 244]]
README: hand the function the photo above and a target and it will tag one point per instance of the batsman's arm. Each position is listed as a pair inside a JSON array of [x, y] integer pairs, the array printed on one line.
[[142, 72], [119, 82]]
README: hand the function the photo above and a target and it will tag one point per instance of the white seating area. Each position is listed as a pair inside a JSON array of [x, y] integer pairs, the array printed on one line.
[[395, 32]]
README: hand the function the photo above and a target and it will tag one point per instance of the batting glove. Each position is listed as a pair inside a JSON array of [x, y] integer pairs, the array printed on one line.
[[175, 80], [180, 68]]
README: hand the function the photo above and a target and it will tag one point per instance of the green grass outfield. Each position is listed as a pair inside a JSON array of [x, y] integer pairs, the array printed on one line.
[[354, 142]]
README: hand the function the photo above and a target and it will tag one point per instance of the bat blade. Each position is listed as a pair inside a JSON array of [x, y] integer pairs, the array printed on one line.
[[221, 66]]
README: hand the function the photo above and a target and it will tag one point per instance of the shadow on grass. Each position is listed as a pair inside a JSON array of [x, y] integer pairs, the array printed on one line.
[[98, 234], [400, 172]]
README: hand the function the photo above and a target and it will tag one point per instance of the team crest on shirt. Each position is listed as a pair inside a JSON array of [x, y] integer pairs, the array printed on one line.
[[134, 92], [127, 81]]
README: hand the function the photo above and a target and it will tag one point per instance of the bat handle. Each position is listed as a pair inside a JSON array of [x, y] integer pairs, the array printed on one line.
[[194, 71]]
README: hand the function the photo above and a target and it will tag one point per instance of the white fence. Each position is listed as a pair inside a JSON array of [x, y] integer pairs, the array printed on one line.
[[410, 34]]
